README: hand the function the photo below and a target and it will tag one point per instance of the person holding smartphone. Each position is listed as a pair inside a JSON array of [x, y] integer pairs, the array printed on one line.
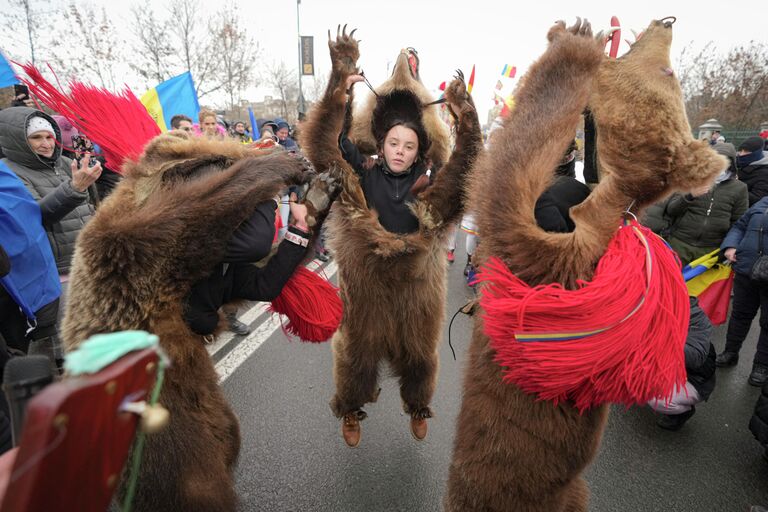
[[31, 142], [21, 96]]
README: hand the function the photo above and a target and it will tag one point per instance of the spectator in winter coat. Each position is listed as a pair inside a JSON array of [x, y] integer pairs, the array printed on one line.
[[209, 126], [753, 168], [31, 143], [183, 123], [742, 247], [283, 135], [238, 132], [700, 366], [695, 223]]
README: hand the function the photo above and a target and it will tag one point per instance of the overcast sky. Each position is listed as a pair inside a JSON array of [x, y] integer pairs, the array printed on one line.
[[447, 36]]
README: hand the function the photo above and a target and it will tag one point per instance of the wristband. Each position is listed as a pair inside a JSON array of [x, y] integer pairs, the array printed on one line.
[[296, 239]]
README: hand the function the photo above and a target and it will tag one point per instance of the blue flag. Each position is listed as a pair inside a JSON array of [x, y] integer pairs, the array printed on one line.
[[174, 96], [7, 76], [255, 135], [33, 281]]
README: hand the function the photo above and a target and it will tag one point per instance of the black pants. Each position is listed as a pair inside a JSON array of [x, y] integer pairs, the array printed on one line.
[[748, 298], [13, 323]]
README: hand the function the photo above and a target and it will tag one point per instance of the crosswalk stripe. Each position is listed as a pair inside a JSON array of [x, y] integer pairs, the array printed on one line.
[[265, 329]]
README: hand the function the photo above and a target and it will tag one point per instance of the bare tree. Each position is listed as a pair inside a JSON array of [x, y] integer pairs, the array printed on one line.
[[98, 46], [194, 45], [316, 88], [732, 86], [25, 17], [235, 53], [152, 48], [284, 81]]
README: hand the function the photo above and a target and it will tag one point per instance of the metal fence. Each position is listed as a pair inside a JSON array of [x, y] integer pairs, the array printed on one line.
[[735, 137]]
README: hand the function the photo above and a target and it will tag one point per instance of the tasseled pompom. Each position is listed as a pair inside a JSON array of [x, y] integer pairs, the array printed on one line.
[[311, 304], [616, 339], [118, 123]]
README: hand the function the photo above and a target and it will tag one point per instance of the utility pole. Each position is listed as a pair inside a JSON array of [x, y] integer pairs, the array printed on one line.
[[30, 28], [300, 100]]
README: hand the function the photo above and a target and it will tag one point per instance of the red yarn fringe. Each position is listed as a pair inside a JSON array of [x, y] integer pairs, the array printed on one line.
[[118, 123], [311, 304], [638, 304]]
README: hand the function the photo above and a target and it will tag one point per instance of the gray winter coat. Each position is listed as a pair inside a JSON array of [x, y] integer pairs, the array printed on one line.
[[64, 210]]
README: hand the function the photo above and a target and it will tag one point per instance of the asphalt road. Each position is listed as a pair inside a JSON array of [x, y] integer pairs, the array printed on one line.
[[294, 459]]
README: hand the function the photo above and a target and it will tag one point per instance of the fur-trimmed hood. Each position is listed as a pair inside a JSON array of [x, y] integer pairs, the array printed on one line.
[[365, 128]]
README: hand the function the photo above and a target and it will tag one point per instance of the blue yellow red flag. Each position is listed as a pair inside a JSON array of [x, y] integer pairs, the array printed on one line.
[[711, 282], [174, 96], [509, 71]]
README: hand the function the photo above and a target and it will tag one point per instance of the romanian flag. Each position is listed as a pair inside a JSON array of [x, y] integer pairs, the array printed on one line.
[[471, 82], [712, 283], [174, 96], [509, 71], [7, 76]]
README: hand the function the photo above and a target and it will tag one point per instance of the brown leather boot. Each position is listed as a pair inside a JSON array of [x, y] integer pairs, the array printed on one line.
[[350, 428], [419, 428]]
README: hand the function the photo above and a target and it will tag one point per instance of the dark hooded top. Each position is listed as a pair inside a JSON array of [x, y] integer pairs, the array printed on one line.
[[64, 210]]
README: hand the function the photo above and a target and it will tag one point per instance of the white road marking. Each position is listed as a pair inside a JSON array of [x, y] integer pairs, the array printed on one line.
[[232, 361]]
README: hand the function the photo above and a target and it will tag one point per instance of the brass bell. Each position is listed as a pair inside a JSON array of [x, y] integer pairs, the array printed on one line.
[[154, 418]]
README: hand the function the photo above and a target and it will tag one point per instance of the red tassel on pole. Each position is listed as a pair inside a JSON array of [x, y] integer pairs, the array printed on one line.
[[616, 339], [311, 304], [118, 123]]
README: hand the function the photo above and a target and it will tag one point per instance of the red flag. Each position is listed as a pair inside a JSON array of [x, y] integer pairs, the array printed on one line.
[[471, 82], [442, 86]]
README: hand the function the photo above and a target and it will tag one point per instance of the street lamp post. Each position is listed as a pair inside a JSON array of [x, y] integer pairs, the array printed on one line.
[[298, 37]]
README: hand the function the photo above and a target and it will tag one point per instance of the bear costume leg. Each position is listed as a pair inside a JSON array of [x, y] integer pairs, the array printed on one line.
[[355, 371]]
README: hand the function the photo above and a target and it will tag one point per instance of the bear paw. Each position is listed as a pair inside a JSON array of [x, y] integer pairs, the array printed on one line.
[[457, 96], [581, 28], [344, 51]]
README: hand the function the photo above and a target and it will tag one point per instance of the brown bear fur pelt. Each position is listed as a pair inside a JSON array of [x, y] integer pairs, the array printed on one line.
[[512, 451], [393, 286], [403, 78], [164, 228]]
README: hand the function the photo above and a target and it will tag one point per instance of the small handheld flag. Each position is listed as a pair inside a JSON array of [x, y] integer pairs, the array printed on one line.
[[471, 82], [509, 71]]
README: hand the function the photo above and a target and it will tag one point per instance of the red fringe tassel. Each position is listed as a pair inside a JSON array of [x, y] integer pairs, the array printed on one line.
[[118, 123], [311, 304], [616, 339]]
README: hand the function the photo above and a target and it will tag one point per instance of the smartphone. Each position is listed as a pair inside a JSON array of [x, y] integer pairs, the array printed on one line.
[[81, 146], [21, 90]]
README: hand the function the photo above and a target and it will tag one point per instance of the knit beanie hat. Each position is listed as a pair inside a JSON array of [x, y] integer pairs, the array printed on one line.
[[39, 124], [752, 144], [67, 130]]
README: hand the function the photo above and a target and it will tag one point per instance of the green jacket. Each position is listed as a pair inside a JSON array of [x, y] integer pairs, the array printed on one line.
[[704, 221]]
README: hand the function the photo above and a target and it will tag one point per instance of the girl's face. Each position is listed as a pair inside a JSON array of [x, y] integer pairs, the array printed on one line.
[[43, 143], [401, 148]]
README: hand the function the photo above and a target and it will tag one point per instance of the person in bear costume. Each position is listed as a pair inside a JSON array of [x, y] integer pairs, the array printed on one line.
[[162, 232], [389, 250], [513, 450]]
